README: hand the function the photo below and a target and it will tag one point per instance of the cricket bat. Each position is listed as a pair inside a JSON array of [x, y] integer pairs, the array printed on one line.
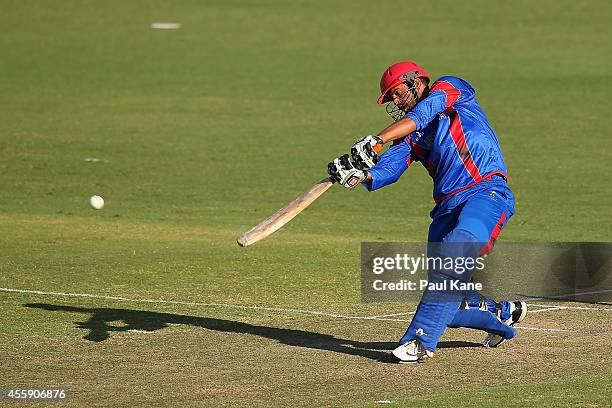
[[284, 215]]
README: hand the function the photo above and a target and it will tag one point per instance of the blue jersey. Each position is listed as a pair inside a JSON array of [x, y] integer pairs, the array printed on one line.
[[453, 140]]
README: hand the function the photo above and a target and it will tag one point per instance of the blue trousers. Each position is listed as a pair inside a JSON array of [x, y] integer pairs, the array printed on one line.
[[467, 225]]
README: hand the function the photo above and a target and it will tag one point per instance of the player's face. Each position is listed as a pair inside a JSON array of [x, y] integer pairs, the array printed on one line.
[[401, 97]]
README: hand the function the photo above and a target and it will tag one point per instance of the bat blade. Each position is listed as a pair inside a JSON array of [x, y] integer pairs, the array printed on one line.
[[284, 215]]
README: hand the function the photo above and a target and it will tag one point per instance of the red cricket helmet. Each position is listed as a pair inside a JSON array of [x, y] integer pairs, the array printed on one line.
[[396, 74]]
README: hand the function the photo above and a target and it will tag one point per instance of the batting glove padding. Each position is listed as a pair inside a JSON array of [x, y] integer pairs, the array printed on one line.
[[363, 153], [345, 173]]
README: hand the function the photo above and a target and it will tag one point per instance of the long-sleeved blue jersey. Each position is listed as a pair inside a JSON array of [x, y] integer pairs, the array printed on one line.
[[453, 140]]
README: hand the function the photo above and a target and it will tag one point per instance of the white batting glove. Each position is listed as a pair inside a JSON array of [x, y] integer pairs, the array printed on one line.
[[363, 152], [345, 173]]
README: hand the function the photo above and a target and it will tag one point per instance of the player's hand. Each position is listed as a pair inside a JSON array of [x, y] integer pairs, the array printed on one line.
[[364, 152], [345, 173]]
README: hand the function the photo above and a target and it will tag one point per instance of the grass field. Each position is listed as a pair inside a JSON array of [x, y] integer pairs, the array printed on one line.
[[201, 132]]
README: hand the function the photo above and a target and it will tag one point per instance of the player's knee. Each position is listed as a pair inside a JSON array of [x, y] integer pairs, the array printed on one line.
[[510, 333]]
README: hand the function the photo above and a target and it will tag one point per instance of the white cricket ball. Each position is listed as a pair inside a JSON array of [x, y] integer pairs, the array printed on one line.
[[96, 202]]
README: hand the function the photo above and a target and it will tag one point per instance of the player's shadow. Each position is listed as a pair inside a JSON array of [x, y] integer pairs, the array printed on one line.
[[103, 321]]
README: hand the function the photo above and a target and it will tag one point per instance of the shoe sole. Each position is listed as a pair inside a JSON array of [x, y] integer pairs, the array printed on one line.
[[523, 312], [397, 360]]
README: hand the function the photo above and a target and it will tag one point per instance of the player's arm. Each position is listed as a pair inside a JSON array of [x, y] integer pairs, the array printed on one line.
[[397, 130], [419, 117], [392, 164], [445, 94]]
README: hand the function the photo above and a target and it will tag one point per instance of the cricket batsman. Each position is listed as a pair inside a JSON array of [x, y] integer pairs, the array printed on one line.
[[442, 126]]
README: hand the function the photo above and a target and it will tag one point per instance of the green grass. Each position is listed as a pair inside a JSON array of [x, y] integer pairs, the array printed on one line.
[[204, 131]]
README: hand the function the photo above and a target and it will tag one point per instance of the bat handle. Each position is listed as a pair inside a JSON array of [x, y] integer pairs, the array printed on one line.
[[378, 148]]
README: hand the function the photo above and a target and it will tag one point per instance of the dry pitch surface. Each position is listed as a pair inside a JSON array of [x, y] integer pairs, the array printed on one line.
[[147, 352]]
